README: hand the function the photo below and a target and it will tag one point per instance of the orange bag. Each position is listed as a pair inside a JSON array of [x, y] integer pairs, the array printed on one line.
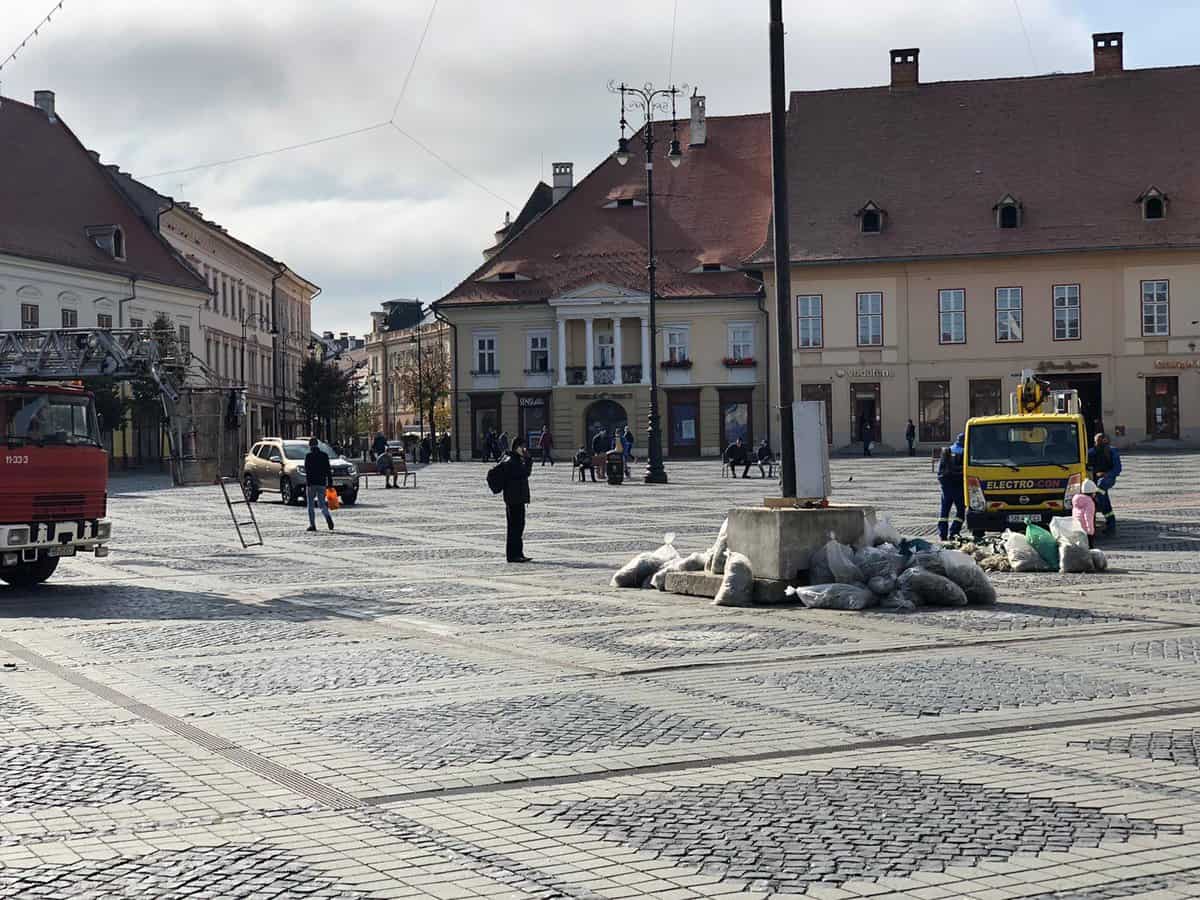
[[332, 500]]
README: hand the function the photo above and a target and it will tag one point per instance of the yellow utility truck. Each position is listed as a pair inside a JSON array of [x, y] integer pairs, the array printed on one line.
[[1023, 468]]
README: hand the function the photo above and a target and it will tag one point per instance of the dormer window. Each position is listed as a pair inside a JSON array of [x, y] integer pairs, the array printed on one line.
[[711, 267], [110, 239], [509, 270], [870, 218], [1153, 203], [704, 267], [506, 276], [1008, 212], [625, 195]]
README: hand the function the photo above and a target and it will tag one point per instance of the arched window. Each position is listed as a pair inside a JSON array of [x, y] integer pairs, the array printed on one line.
[[870, 218], [118, 240], [1008, 212], [1154, 203]]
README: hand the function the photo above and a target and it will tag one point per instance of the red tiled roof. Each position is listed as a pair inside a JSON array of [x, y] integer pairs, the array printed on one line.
[[1075, 150], [714, 207], [52, 191]]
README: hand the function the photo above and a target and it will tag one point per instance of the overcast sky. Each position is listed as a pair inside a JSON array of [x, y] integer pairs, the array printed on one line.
[[500, 90]]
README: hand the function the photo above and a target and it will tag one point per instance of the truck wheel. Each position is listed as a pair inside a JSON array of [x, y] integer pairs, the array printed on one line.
[[248, 486], [287, 493], [350, 497], [25, 575]]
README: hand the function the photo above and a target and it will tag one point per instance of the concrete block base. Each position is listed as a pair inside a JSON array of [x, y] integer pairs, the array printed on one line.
[[702, 584], [780, 542]]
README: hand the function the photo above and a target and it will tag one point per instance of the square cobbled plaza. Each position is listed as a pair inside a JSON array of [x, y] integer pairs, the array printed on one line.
[[391, 710]]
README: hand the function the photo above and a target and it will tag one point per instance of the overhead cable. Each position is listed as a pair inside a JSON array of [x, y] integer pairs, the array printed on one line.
[[29, 37]]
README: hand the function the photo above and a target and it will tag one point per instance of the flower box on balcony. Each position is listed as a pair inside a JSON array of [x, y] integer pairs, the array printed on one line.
[[731, 362], [675, 364]]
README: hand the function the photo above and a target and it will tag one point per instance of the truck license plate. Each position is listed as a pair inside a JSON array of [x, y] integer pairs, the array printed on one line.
[[1025, 520], [61, 550]]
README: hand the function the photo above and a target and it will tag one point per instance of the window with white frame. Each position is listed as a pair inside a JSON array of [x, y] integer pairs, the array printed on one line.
[[539, 352], [1066, 312], [103, 320], [70, 318], [604, 349], [870, 319], [677, 344], [741, 340], [1156, 308], [952, 316], [485, 354], [809, 325], [1009, 315], [30, 315]]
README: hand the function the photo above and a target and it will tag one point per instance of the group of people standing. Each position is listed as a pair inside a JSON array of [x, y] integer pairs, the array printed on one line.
[[601, 446]]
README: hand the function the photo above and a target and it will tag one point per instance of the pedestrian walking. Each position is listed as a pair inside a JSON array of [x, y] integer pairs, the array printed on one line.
[[1104, 465], [910, 435], [950, 477], [627, 448], [1083, 510], [517, 466], [546, 445], [318, 475], [736, 455], [868, 433], [490, 445], [444, 445], [502, 444]]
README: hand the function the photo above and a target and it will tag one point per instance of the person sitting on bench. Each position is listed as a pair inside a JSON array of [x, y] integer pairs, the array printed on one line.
[[386, 467], [736, 455], [763, 456]]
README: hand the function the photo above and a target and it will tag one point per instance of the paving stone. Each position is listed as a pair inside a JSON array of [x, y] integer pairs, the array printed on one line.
[[132, 640], [14, 705], [323, 671], [73, 773], [698, 638], [835, 827], [1006, 617], [1185, 881], [940, 686], [1181, 746], [522, 727]]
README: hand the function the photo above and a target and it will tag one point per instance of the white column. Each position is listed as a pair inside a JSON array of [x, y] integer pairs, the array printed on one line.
[[645, 350], [591, 351], [616, 322], [561, 350]]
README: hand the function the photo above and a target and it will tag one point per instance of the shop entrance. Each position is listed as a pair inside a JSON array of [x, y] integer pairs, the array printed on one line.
[[683, 423], [534, 411], [485, 417], [864, 407], [1162, 408], [608, 416]]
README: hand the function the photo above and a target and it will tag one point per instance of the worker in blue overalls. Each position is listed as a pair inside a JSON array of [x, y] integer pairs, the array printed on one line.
[[950, 477]]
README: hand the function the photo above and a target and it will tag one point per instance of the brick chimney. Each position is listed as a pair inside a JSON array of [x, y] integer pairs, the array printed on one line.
[[698, 129], [904, 69], [564, 179], [1108, 51], [44, 100]]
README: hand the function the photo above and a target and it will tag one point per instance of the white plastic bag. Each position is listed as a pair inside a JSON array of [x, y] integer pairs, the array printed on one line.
[[1065, 528], [738, 585], [638, 571], [834, 596], [693, 562], [886, 532], [720, 550], [1099, 560], [841, 564], [1021, 555], [1074, 559]]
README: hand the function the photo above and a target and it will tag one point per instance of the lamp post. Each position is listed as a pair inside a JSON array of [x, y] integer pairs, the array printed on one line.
[[246, 320], [647, 99]]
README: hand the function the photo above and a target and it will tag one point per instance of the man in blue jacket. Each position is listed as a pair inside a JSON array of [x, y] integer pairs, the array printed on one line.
[[1104, 465], [950, 477]]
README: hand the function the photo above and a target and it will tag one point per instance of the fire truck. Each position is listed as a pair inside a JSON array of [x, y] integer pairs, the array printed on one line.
[[54, 466]]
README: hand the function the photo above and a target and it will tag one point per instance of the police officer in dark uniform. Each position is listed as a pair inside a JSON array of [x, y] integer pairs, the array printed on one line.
[[950, 477]]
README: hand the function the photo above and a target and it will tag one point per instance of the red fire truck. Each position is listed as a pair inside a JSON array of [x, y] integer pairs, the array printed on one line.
[[53, 465], [53, 481]]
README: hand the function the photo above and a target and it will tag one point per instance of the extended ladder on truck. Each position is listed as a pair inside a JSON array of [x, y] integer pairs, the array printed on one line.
[[245, 501]]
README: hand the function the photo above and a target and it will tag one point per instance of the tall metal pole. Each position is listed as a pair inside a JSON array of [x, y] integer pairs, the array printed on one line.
[[783, 261], [655, 473], [420, 389]]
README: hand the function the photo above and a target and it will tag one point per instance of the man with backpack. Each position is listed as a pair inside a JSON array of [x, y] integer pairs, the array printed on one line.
[[510, 477], [950, 477]]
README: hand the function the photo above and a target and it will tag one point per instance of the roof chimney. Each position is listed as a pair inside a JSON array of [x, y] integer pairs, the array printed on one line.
[[1108, 51], [698, 131], [564, 179], [904, 68], [44, 100]]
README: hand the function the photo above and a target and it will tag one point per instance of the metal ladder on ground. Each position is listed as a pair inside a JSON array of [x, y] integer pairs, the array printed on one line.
[[238, 525]]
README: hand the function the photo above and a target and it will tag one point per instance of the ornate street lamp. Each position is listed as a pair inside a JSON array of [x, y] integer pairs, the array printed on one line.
[[648, 99]]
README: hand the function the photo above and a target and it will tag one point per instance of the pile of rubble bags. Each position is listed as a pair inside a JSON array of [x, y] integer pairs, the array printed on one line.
[[650, 570], [1064, 548], [891, 573]]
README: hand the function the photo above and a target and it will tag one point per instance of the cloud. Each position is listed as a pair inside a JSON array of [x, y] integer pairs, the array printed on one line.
[[501, 90]]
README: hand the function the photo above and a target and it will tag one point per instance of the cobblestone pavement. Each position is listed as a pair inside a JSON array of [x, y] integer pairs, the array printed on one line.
[[390, 710]]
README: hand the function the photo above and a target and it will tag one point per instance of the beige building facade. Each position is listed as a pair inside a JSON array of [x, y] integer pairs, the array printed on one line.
[[964, 231], [391, 355]]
